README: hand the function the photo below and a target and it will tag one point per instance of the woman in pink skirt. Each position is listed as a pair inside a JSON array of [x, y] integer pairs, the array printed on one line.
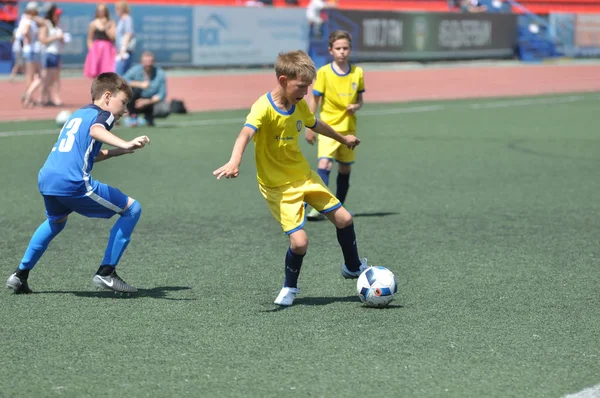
[[101, 49]]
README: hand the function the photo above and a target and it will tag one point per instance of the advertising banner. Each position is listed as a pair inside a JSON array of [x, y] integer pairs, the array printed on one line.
[[379, 35], [576, 35], [245, 35], [162, 30]]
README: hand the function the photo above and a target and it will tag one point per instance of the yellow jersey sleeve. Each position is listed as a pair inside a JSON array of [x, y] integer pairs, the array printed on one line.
[[361, 80], [319, 86], [308, 118], [258, 112]]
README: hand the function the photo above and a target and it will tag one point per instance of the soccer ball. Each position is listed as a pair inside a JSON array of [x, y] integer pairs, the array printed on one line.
[[62, 117], [376, 286]]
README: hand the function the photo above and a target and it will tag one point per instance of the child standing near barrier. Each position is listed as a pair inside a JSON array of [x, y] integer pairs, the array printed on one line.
[[284, 176], [341, 86], [67, 186]]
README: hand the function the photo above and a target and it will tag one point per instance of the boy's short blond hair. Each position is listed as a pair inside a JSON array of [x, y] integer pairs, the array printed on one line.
[[112, 82], [295, 65], [337, 35]]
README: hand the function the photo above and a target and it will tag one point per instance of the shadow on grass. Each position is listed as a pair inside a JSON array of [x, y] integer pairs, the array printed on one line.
[[160, 292], [376, 214], [318, 301], [365, 215]]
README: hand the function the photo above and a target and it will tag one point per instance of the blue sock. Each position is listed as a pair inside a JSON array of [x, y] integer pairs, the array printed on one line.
[[120, 234], [324, 174], [293, 262], [347, 240], [39, 243], [343, 184]]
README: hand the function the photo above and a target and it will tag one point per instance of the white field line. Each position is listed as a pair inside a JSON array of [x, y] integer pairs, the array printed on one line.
[[527, 102], [592, 392], [366, 113]]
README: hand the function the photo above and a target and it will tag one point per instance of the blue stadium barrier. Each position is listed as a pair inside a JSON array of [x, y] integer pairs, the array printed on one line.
[[535, 43]]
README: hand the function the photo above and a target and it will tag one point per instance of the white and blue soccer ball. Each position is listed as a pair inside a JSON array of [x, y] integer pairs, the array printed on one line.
[[62, 117], [376, 286]]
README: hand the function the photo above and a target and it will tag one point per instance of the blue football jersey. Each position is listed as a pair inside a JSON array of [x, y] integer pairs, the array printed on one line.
[[67, 169]]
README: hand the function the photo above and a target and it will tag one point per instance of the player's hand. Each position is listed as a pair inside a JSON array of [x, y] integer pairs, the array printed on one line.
[[229, 170], [310, 136], [144, 85], [351, 141], [352, 108], [138, 142]]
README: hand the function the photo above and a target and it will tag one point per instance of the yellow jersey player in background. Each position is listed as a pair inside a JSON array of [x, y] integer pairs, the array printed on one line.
[[284, 175], [340, 85]]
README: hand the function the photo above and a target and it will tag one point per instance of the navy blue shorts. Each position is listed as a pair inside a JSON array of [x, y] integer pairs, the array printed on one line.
[[50, 61], [104, 202]]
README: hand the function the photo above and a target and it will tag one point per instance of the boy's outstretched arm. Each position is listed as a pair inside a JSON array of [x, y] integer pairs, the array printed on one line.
[[313, 105], [111, 153], [323, 128], [99, 133], [231, 169]]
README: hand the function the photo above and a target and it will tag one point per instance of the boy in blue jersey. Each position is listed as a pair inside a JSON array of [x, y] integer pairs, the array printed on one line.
[[67, 186], [284, 176]]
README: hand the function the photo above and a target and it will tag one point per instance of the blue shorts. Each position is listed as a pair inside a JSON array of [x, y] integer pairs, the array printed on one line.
[[104, 202], [50, 61], [30, 56]]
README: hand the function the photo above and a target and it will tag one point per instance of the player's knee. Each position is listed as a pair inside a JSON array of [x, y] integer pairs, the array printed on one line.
[[325, 164], [58, 225], [343, 218], [299, 245], [62, 221], [134, 210], [344, 168]]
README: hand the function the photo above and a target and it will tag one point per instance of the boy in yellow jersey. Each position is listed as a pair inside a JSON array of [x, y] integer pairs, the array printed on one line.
[[341, 85], [284, 176]]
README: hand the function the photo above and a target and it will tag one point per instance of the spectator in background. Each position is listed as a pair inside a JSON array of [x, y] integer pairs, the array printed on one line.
[[313, 14], [52, 38], [101, 49], [125, 38], [149, 86], [17, 52], [28, 31], [472, 6]]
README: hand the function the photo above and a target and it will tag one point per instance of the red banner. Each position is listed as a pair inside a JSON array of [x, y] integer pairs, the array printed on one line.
[[9, 10]]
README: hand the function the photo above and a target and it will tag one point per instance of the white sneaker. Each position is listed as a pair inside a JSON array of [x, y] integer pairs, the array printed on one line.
[[314, 215], [287, 295], [346, 273]]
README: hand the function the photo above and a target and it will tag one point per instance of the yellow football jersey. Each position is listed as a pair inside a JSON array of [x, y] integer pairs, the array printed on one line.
[[279, 160], [337, 92]]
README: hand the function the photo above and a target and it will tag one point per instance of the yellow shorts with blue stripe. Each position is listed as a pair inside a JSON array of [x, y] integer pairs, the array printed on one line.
[[287, 202], [328, 148]]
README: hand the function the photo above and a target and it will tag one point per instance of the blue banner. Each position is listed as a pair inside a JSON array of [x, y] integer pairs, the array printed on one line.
[[166, 31]]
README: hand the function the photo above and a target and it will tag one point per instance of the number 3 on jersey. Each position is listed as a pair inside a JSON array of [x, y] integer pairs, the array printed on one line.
[[66, 143]]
